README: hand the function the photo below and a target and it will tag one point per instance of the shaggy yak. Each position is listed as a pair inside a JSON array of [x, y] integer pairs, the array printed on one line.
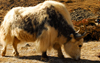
[[48, 24]]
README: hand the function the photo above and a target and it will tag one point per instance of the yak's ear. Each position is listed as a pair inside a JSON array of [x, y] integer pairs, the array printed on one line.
[[73, 39], [71, 35]]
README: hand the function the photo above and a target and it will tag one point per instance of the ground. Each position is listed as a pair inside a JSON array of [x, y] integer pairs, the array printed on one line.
[[28, 54]]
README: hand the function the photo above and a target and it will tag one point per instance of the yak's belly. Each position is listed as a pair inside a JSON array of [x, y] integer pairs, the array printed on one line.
[[23, 35]]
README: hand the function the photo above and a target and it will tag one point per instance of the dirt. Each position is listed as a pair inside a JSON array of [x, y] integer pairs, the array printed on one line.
[[28, 54], [90, 51]]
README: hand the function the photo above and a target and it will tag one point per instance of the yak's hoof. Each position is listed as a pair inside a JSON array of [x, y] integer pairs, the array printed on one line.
[[44, 59], [2, 55], [15, 54]]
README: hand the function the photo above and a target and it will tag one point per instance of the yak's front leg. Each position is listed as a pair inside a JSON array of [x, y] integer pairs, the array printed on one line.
[[58, 48], [44, 56]]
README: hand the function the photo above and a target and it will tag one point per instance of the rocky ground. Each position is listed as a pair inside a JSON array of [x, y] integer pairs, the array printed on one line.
[[79, 9], [80, 14]]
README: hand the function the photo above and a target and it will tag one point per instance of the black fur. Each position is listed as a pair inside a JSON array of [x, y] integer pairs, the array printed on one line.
[[24, 24], [55, 20], [59, 23], [28, 24]]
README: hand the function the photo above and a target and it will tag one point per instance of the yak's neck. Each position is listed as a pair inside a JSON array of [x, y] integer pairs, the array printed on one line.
[[57, 21]]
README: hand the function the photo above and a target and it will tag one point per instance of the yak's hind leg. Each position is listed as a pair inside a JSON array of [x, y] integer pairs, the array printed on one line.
[[15, 43], [3, 51], [5, 41], [58, 48]]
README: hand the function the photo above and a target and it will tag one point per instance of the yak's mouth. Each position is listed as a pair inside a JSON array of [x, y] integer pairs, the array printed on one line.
[[76, 57]]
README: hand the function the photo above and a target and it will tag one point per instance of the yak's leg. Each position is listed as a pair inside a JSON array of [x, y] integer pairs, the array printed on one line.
[[15, 52], [58, 48], [44, 56], [3, 52]]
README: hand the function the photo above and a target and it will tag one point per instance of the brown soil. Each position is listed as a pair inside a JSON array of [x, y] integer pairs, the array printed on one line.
[[90, 50], [28, 54]]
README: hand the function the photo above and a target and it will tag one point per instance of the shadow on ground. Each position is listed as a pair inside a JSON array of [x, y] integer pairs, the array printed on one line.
[[56, 59]]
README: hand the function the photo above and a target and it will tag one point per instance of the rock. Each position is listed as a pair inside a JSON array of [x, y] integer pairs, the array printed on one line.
[[27, 45], [80, 14]]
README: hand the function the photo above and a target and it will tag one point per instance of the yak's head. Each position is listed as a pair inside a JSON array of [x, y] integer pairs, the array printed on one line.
[[73, 46]]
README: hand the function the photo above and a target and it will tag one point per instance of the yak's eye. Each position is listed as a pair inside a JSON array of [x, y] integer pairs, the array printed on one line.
[[80, 45]]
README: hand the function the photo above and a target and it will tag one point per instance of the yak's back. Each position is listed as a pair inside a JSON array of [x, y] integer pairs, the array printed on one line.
[[34, 20]]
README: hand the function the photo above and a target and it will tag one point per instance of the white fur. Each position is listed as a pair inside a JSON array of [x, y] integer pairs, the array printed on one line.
[[46, 40]]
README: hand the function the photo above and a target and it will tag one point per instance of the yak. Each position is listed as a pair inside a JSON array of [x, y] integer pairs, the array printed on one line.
[[48, 24]]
